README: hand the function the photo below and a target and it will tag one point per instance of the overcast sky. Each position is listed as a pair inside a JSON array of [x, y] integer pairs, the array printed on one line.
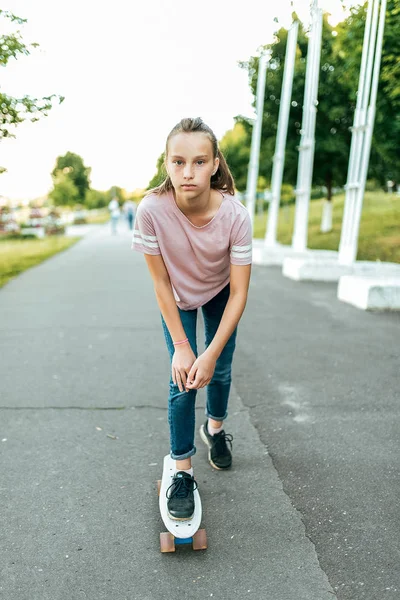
[[129, 72]]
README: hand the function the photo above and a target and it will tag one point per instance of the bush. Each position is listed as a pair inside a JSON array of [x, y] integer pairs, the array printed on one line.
[[54, 224], [80, 215], [287, 194], [373, 185]]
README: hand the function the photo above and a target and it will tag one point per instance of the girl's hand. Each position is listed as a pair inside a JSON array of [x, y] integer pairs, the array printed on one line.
[[182, 362], [201, 372]]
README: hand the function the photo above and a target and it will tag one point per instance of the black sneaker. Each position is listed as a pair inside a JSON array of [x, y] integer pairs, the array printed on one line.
[[180, 496], [219, 455]]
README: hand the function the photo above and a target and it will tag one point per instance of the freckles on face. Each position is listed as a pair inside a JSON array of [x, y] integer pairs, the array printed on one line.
[[190, 156]]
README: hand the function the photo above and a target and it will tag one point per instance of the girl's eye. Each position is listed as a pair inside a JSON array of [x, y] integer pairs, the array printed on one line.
[[178, 162], [200, 162]]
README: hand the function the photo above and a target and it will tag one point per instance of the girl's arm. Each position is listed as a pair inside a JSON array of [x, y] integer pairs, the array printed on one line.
[[165, 296], [184, 356], [239, 286], [203, 369]]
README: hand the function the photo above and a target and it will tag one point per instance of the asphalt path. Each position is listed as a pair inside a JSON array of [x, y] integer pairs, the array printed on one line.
[[310, 508], [320, 379]]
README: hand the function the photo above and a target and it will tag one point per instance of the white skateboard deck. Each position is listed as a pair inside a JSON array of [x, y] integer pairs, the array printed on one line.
[[179, 529]]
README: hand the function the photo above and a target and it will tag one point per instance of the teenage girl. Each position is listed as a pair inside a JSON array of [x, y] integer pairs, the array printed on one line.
[[196, 238]]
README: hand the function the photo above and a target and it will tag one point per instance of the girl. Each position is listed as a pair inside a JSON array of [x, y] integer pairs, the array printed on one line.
[[196, 237]]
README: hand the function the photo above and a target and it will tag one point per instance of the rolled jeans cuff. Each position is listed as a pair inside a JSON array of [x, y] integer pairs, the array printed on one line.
[[183, 456], [216, 418]]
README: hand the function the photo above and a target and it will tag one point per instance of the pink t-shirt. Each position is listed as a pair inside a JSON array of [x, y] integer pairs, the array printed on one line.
[[197, 258]]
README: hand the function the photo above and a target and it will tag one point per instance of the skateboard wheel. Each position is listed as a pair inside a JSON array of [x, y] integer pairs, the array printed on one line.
[[158, 486], [167, 542], [200, 540]]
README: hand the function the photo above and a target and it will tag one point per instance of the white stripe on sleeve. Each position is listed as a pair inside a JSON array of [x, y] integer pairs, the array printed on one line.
[[241, 248], [241, 254], [143, 239]]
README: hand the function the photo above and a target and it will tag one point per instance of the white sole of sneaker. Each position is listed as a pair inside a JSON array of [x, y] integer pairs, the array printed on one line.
[[207, 443]]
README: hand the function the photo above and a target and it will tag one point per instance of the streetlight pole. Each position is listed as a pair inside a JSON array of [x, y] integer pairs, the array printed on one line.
[[283, 119], [307, 143], [362, 129], [252, 177]]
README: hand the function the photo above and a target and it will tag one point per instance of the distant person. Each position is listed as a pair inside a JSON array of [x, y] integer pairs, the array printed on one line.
[[197, 238], [115, 212], [129, 211]]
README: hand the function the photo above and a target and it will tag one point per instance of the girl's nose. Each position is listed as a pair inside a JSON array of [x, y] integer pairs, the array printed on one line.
[[187, 171]]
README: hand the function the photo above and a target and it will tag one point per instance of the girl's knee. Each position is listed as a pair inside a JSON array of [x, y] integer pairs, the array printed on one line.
[[176, 394], [222, 374]]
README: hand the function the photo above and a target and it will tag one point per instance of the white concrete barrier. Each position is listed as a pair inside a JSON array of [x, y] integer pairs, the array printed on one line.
[[278, 253], [328, 269], [370, 293]]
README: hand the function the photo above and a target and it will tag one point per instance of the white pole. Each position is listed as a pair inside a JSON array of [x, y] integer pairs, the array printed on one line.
[[283, 119], [307, 143], [256, 138], [356, 187], [356, 141]]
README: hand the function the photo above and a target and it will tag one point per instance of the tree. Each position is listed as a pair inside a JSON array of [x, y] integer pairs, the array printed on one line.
[[235, 146], [273, 89], [116, 192], [385, 159], [340, 65], [17, 110], [96, 199], [334, 115], [72, 166], [160, 174], [390, 76], [65, 192]]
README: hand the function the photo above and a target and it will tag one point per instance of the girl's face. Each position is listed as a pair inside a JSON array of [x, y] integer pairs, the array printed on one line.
[[190, 163]]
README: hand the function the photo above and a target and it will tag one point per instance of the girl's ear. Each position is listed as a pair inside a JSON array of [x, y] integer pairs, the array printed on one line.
[[216, 165]]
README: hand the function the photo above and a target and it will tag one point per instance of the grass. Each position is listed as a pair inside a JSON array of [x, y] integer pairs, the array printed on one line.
[[18, 255], [379, 236], [99, 217]]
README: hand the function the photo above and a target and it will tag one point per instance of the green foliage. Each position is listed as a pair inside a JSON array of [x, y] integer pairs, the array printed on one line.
[[338, 81], [71, 166], [334, 116], [116, 192], [372, 185], [385, 157], [390, 77], [235, 146], [16, 110], [96, 199], [287, 194], [160, 174], [65, 192]]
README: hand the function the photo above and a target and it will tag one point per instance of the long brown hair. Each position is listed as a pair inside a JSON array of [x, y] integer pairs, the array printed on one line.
[[222, 180]]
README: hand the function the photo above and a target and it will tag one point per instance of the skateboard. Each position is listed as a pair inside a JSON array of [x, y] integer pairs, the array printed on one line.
[[179, 532]]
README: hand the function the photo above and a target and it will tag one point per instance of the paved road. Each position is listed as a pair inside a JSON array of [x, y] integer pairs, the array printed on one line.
[[324, 397], [309, 510]]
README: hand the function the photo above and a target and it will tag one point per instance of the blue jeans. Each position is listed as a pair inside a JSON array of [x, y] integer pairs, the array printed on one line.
[[181, 405]]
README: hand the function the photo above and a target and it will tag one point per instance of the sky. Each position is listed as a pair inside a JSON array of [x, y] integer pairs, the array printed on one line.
[[129, 72]]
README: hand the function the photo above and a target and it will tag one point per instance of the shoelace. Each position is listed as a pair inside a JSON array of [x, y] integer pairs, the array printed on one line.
[[221, 442], [181, 486]]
